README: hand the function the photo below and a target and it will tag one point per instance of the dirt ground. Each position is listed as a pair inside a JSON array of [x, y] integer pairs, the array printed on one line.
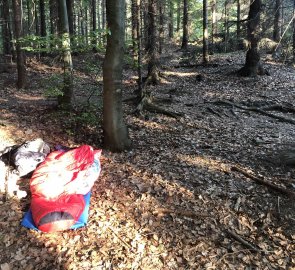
[[186, 196]]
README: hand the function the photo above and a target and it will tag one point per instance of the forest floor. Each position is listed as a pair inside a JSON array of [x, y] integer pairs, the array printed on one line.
[[186, 196]]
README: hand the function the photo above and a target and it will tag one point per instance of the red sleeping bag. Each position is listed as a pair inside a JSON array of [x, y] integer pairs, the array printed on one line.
[[58, 186]]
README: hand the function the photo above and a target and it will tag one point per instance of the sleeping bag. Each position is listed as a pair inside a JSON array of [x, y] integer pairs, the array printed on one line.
[[58, 186]]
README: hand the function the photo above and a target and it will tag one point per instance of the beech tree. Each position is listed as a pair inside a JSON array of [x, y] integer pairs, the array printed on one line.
[[115, 132]]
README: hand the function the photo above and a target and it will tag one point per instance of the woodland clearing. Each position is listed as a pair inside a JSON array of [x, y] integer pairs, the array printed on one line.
[[186, 196]]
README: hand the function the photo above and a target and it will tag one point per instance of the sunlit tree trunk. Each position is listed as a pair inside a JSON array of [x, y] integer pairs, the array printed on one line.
[[67, 97], [184, 43], [21, 70], [253, 65], [277, 21], [115, 132], [205, 32]]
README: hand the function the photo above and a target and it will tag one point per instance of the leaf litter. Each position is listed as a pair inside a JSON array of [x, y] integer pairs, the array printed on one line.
[[173, 201]]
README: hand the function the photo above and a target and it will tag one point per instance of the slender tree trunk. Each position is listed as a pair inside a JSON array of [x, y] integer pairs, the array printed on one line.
[[184, 43], [178, 16], [170, 22], [153, 72], [226, 28], [103, 18], [21, 70], [94, 24], [277, 21], [6, 28], [86, 26], [205, 32], [214, 22], [134, 22], [253, 66], [42, 23], [115, 131], [53, 17], [70, 11], [294, 31], [161, 26], [238, 24], [37, 22], [139, 61], [66, 98], [29, 16]]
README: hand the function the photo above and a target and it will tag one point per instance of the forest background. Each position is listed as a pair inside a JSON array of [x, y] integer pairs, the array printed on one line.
[[197, 99]]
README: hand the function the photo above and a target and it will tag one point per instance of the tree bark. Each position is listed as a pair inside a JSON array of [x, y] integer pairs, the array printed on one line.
[[134, 22], [253, 65], [161, 26], [115, 131], [6, 28], [294, 31], [21, 69], [42, 23], [53, 17], [170, 24], [214, 22], [178, 16], [184, 43], [66, 98], [277, 21], [239, 47], [153, 72], [94, 25], [205, 32]]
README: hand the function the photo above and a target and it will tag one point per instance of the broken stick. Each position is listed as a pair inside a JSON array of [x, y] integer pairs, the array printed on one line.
[[260, 180]]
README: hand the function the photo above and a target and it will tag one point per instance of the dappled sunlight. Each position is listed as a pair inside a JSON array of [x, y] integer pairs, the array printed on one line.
[[180, 73], [204, 162]]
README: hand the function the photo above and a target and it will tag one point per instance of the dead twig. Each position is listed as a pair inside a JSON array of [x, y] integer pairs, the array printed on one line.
[[243, 241], [260, 180], [186, 213]]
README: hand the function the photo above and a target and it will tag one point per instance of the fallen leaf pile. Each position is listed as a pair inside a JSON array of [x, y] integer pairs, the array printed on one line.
[[174, 200]]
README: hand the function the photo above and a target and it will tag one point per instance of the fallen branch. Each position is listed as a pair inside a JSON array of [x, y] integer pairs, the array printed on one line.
[[258, 110], [186, 213], [243, 241], [260, 180]]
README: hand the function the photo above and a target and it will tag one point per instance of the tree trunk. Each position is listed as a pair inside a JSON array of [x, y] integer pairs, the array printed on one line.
[[214, 22], [103, 18], [178, 16], [94, 27], [239, 43], [6, 28], [53, 17], [253, 66], [29, 16], [42, 24], [21, 70], [184, 43], [139, 61], [66, 98], [277, 21], [153, 72], [161, 26], [70, 5], [134, 22], [170, 23], [294, 31], [115, 131], [36, 19], [205, 33]]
